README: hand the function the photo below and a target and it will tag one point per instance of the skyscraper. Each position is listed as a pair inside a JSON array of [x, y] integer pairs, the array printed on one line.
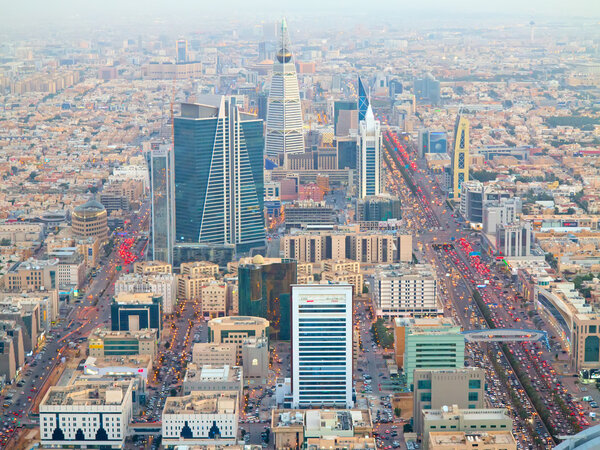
[[369, 156], [322, 345], [162, 207], [460, 155], [284, 112], [363, 100], [181, 50], [219, 176]]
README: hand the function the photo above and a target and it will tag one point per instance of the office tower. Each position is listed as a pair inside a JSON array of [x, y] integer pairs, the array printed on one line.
[[460, 155], [378, 208], [430, 343], [264, 291], [322, 345], [181, 50], [134, 312], [345, 117], [219, 177], [162, 197], [394, 88], [363, 100], [370, 173], [347, 152], [427, 89], [284, 111], [432, 142]]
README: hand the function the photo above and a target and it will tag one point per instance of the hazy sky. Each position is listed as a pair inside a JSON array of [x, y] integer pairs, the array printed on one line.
[[28, 14]]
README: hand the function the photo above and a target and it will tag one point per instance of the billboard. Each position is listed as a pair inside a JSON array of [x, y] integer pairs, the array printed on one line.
[[438, 142]]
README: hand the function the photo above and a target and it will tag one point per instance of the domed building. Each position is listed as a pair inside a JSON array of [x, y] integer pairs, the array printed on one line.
[[90, 220]]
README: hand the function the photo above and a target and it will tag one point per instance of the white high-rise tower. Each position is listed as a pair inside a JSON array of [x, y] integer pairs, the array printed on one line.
[[370, 173], [284, 112]]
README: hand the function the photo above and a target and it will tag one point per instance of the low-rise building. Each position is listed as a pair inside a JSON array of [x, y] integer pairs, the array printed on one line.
[[469, 420], [214, 354], [138, 365], [201, 418], [161, 284], [236, 330], [87, 413], [104, 342], [293, 428], [255, 357], [467, 440], [152, 267], [213, 378]]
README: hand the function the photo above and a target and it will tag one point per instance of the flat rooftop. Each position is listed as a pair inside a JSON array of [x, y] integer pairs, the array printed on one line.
[[88, 393], [454, 438], [208, 373], [105, 333], [203, 403]]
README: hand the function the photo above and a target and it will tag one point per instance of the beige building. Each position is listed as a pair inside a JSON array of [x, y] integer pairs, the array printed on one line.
[[201, 418], [207, 377], [344, 276], [32, 275], [151, 267], [339, 265], [213, 296], [461, 440], [104, 342], [12, 350], [470, 420], [364, 247], [214, 354], [169, 71], [189, 287], [255, 356], [199, 268], [432, 389], [293, 428], [90, 220], [236, 330]]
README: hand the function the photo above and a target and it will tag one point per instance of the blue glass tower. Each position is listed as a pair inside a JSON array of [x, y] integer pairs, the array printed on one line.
[[363, 101], [219, 176]]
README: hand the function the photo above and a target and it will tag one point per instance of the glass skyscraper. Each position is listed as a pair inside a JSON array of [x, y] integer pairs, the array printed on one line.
[[363, 100], [161, 192], [219, 176], [264, 291]]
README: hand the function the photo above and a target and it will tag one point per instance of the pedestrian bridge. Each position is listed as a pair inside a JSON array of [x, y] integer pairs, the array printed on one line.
[[146, 428], [506, 335]]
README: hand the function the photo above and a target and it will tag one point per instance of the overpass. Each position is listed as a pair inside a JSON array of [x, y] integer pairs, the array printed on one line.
[[146, 428], [506, 335]]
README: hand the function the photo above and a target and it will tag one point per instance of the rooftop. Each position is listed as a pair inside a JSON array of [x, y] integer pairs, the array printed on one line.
[[454, 438], [105, 333], [202, 403], [207, 373], [88, 393]]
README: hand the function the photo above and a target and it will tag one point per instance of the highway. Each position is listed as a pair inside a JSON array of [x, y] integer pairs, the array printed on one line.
[[459, 285]]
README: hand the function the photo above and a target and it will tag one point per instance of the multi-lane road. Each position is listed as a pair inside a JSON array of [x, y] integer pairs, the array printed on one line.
[[91, 311]]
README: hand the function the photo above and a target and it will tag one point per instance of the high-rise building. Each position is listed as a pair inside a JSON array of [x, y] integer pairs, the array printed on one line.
[[460, 155], [284, 112], [264, 291], [378, 208], [162, 201], [370, 173], [427, 89], [218, 166], [322, 345], [363, 100], [182, 50]]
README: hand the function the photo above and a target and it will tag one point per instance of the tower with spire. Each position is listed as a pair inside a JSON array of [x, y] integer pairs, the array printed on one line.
[[284, 134], [370, 174]]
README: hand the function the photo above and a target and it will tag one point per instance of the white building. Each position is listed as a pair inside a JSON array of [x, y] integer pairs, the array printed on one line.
[[160, 284], [87, 413], [405, 290], [201, 418], [322, 345], [370, 173], [284, 133]]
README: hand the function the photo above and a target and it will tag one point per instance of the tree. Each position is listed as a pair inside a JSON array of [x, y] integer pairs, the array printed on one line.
[[4, 242], [365, 289], [397, 411], [32, 175], [407, 428]]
